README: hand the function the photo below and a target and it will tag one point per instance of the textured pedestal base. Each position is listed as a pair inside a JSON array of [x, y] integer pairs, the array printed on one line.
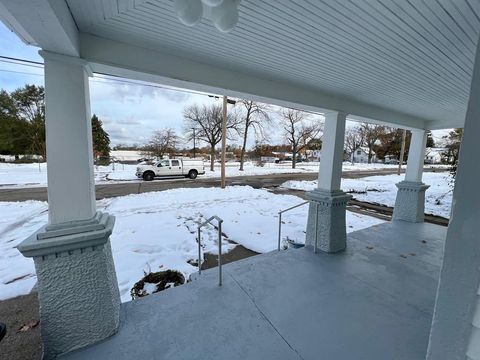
[[410, 201], [326, 220], [77, 284]]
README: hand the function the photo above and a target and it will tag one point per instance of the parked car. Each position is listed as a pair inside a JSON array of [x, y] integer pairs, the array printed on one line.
[[171, 167]]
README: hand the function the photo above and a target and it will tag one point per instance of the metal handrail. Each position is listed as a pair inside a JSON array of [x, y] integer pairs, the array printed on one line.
[[209, 221], [291, 208]]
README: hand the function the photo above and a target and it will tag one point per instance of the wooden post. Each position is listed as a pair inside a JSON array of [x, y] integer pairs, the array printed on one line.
[[224, 141]]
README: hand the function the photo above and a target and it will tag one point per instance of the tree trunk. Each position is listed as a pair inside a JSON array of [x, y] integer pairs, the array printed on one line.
[[212, 158], [242, 153], [294, 158]]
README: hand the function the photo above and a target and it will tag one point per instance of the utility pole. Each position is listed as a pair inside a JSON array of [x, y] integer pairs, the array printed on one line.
[[224, 141], [193, 142], [402, 151]]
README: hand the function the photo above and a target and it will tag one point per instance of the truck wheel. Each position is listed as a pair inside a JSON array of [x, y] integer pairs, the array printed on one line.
[[192, 174], [148, 176]]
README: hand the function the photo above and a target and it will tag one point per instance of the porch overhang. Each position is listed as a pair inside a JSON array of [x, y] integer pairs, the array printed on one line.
[[403, 64]]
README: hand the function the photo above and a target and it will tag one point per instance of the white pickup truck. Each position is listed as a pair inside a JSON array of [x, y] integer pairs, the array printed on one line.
[[171, 167]]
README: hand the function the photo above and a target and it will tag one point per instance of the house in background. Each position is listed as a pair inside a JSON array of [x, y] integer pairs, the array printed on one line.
[[435, 155], [360, 155], [127, 156], [313, 155]]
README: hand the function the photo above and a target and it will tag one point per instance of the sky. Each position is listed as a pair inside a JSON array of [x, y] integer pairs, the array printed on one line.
[[130, 112]]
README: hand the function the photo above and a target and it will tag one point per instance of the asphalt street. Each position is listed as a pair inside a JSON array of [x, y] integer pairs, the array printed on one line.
[[107, 190]]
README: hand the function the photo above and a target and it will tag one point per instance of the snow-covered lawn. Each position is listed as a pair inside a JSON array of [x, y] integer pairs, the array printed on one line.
[[382, 190], [25, 175], [157, 230]]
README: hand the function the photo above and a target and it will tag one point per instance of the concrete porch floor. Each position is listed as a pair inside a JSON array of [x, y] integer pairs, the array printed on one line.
[[374, 301]]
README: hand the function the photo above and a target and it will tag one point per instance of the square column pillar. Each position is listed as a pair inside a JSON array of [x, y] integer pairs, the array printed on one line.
[[455, 331], [410, 201], [326, 228], [77, 285]]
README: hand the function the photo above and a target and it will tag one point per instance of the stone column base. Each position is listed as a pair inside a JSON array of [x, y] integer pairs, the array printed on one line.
[[77, 284], [410, 201], [327, 211]]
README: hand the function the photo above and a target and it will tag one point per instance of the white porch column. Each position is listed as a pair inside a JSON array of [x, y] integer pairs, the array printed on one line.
[[326, 228], [69, 140], [77, 286], [455, 332], [410, 201]]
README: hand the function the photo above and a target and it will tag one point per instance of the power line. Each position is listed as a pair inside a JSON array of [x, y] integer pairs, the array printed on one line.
[[108, 77], [21, 60], [20, 72], [17, 63]]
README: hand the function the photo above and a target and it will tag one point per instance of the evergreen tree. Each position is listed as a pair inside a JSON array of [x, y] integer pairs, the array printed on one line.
[[100, 138], [29, 104], [430, 141], [14, 130]]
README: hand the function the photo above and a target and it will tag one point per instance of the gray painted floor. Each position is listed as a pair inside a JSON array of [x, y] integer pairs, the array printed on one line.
[[374, 301]]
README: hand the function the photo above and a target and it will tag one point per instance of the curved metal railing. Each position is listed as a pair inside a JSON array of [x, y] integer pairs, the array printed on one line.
[[291, 208], [209, 221]]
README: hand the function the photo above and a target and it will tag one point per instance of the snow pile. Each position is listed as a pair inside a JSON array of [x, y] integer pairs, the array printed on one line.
[[157, 231], [382, 190], [18, 221]]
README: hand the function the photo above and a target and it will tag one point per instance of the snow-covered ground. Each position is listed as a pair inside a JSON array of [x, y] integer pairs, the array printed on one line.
[[157, 230], [382, 190], [25, 175]]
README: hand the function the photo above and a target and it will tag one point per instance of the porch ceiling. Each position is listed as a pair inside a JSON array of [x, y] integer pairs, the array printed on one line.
[[405, 62]]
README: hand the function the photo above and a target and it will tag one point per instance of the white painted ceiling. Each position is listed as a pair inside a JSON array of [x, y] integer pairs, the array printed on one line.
[[411, 56]]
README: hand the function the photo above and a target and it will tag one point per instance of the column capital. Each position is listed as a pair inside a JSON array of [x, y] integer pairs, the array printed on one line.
[[339, 114], [48, 55], [68, 237]]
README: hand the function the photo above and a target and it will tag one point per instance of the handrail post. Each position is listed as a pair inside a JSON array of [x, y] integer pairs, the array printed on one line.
[[219, 253], [209, 221], [199, 252], [280, 220], [279, 229]]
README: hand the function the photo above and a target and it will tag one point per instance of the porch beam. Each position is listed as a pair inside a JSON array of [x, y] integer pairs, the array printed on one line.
[[47, 24], [129, 61]]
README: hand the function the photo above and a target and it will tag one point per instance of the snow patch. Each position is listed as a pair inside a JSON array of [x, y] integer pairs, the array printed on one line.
[[381, 189], [157, 231]]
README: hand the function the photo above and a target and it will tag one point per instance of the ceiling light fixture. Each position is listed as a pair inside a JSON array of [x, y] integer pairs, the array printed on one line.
[[223, 13]]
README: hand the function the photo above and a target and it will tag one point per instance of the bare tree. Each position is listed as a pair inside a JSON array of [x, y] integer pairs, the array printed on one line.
[[162, 142], [298, 130], [371, 135], [255, 117], [207, 121], [353, 140]]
